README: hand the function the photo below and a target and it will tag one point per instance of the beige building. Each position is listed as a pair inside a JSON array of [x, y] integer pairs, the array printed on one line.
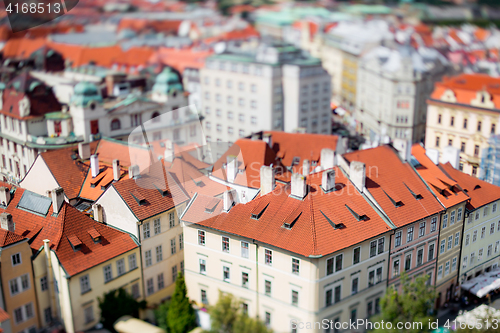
[[462, 112]]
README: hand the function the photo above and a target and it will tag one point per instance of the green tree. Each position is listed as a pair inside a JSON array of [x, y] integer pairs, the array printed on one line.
[[161, 315], [181, 317], [411, 305], [227, 317], [117, 303]]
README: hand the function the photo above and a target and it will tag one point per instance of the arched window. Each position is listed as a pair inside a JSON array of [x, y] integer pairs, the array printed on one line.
[[115, 124], [155, 117]]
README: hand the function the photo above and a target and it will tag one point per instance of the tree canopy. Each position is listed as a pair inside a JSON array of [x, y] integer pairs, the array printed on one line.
[[117, 303], [180, 315]]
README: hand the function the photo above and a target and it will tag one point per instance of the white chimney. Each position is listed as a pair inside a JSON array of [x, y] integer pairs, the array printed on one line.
[[327, 158], [357, 173], [231, 168], [84, 150], [268, 139], [169, 151], [4, 196], [404, 148], [97, 210], [433, 155], [452, 155], [94, 165], [228, 198], [6, 222], [305, 167], [299, 188], [267, 179], [328, 180], [116, 170], [133, 171], [57, 199]]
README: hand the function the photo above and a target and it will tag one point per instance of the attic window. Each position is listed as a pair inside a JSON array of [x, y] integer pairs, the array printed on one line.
[[94, 234], [94, 182], [415, 195], [163, 192], [356, 212], [141, 200], [477, 187], [289, 223], [211, 205], [259, 210], [198, 183], [295, 160], [396, 201], [75, 243], [334, 225]]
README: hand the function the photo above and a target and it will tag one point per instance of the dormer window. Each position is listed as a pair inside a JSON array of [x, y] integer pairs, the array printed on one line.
[[356, 212], [94, 234], [75, 243], [259, 210], [211, 205], [139, 198]]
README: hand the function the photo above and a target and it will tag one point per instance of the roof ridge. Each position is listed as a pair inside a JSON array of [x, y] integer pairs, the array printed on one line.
[[62, 217]]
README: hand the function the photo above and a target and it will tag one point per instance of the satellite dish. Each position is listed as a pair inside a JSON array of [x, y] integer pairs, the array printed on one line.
[[184, 28], [220, 47]]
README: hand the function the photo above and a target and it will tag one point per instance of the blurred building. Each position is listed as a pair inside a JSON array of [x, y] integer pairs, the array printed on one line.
[[490, 162]]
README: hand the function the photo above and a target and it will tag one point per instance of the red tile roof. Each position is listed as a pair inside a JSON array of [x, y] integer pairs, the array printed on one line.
[[22, 47], [444, 188], [9, 238], [69, 224], [312, 219], [180, 59], [3, 315], [480, 192], [386, 172], [242, 34]]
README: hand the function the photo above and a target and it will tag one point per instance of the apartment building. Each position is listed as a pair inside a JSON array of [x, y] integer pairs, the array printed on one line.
[[275, 88], [392, 86], [448, 247], [251, 250], [462, 112], [18, 285], [392, 184], [480, 241]]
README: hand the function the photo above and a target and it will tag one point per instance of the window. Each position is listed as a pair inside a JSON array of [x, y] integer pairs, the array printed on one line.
[[201, 237], [437, 141], [379, 275], [462, 146], [373, 248], [132, 262], [493, 127], [497, 244], [253, 104], [452, 217], [472, 257], [494, 208], [108, 273], [433, 224], [356, 255], [146, 231], [443, 246], [182, 267], [474, 236], [395, 268], [381, 245], [244, 249], [157, 226], [480, 255], [408, 262], [225, 273], [430, 255], [440, 272], [173, 248], [161, 281], [450, 242], [452, 121], [476, 151], [44, 284], [454, 264], [241, 86], [467, 240], [150, 288], [409, 234], [457, 239], [203, 266], [135, 290], [459, 215], [329, 297], [489, 251], [474, 170], [465, 123], [337, 294], [295, 297], [115, 124], [269, 257], [181, 242], [244, 280], [84, 284], [253, 120], [371, 278], [253, 87], [16, 259], [267, 287], [225, 244], [397, 239], [420, 257], [445, 221], [204, 299], [47, 312], [120, 266], [295, 266], [464, 263], [174, 273], [479, 126], [447, 268], [159, 253], [483, 232], [268, 319], [147, 258], [421, 231], [354, 286], [485, 211]]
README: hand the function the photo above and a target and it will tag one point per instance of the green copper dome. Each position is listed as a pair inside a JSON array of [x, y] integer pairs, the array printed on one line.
[[84, 93], [167, 81]]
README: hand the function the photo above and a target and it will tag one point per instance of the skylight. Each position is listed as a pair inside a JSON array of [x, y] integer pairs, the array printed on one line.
[[34, 203], [333, 224], [356, 212]]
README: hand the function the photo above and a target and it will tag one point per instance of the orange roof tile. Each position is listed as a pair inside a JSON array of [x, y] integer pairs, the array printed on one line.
[[22, 47], [9, 238], [3, 315], [318, 225], [180, 59], [386, 172], [481, 34], [449, 193]]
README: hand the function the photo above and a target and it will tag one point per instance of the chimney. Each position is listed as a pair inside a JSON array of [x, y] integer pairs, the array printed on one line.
[[299, 189], [404, 149], [305, 167], [57, 199], [433, 155], [328, 180], [169, 151], [229, 199], [94, 165], [327, 158], [97, 210], [84, 150], [452, 155], [4, 196], [116, 170], [6, 222], [133, 171], [267, 179], [267, 139], [357, 173], [231, 168]]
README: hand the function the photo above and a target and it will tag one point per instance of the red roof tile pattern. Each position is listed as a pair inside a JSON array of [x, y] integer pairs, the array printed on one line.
[[311, 222], [8, 238], [180, 59], [480, 192], [444, 188], [3, 315], [386, 172], [69, 224]]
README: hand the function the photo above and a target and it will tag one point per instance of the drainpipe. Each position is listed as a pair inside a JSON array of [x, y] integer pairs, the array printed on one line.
[[50, 276], [257, 275]]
